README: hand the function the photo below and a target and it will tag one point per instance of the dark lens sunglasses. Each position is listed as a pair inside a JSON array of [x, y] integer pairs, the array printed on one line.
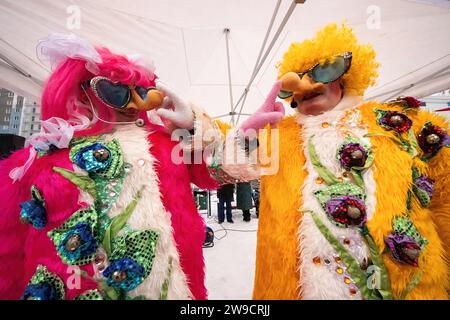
[[325, 73], [115, 94]]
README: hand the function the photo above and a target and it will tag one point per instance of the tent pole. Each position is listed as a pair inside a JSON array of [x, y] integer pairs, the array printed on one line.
[[260, 63], [227, 32], [263, 46], [13, 66], [269, 28]]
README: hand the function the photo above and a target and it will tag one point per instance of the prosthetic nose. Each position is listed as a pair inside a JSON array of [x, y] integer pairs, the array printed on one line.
[[153, 100], [300, 87]]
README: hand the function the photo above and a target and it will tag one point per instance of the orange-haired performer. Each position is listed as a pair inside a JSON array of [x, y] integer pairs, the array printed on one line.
[[358, 208]]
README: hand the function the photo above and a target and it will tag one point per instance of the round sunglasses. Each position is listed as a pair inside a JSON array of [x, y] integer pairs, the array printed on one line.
[[114, 94], [325, 73]]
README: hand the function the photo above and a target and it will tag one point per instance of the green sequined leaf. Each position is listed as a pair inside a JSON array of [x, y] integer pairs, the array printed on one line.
[[404, 225], [338, 190], [90, 295], [137, 245], [58, 235], [422, 196]]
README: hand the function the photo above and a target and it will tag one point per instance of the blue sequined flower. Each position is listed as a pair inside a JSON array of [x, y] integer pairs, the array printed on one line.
[[93, 158], [78, 242], [40, 291], [33, 212], [124, 274]]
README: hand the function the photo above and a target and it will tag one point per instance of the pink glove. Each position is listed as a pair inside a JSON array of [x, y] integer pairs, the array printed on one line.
[[270, 112]]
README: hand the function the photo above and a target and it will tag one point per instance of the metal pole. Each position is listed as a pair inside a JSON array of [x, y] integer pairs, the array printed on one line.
[[272, 43], [227, 32], [269, 28]]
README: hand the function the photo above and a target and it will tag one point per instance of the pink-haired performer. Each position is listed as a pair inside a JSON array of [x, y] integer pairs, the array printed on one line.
[[94, 207]]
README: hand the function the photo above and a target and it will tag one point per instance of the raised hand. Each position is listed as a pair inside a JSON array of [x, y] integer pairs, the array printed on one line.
[[174, 111], [270, 112]]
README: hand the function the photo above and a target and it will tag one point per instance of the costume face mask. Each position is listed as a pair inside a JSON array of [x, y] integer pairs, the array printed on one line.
[[321, 73], [123, 97]]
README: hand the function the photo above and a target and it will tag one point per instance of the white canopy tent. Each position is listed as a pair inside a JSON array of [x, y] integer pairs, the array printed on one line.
[[187, 42]]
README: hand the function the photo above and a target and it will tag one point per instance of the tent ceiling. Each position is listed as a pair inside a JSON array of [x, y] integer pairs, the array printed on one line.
[[186, 41]]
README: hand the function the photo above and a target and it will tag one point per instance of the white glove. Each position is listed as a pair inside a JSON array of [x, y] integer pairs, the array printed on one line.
[[174, 111]]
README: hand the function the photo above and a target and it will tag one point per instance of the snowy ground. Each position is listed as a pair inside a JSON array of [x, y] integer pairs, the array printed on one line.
[[230, 264]]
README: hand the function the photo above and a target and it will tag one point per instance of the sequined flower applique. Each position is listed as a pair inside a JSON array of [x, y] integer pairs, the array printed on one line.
[[99, 159], [344, 204], [393, 120], [407, 103], [431, 139], [125, 274], [405, 242], [75, 239], [33, 211], [44, 285]]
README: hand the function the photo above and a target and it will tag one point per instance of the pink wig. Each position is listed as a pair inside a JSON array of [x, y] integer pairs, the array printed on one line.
[[63, 96]]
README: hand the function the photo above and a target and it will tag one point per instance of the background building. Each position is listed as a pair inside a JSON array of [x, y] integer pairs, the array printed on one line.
[[11, 106], [31, 119]]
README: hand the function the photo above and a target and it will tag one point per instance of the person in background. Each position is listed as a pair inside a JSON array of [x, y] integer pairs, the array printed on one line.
[[225, 195], [244, 199], [255, 194]]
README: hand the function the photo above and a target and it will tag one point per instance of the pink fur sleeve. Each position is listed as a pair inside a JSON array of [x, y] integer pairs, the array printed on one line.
[[12, 232], [201, 178]]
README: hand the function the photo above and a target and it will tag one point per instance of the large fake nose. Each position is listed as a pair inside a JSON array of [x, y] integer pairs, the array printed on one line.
[[300, 87], [153, 100]]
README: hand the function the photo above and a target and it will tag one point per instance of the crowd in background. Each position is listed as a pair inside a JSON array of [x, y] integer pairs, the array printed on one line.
[[247, 195]]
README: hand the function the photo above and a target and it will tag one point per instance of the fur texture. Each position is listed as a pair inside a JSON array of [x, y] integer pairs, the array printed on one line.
[[176, 193], [277, 257], [392, 174]]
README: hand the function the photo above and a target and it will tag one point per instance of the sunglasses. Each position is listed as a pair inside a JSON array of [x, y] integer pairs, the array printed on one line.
[[115, 94], [324, 73]]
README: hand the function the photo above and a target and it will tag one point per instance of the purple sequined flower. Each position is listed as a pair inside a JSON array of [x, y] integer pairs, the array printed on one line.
[[432, 138], [347, 210], [404, 248], [352, 155], [426, 184], [397, 121]]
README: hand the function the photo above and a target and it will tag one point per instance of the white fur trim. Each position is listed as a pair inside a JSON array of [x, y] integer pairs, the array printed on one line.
[[322, 281], [149, 214]]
